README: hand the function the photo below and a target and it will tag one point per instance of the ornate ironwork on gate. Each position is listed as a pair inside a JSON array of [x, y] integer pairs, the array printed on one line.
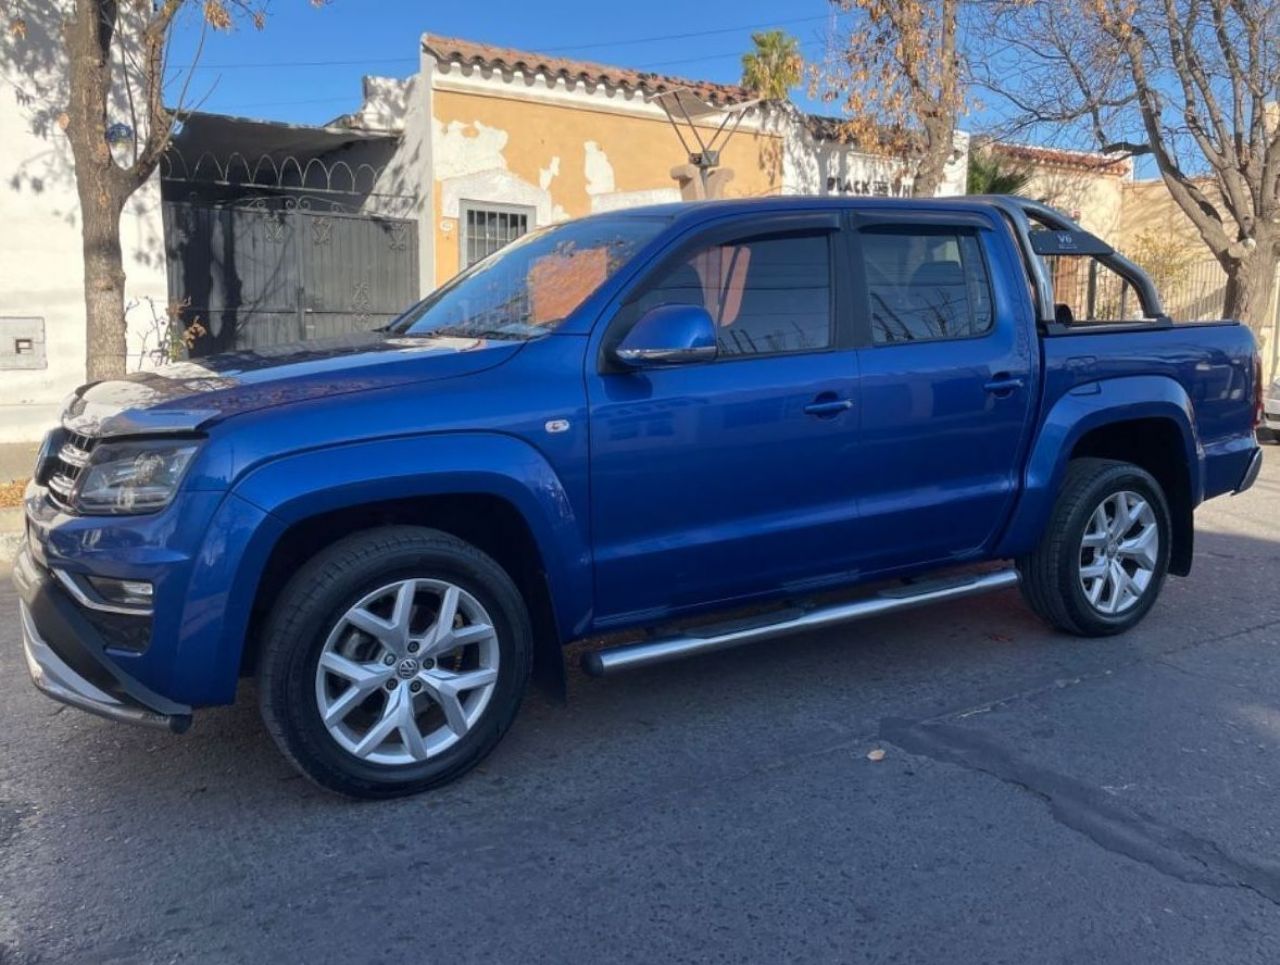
[[280, 249]]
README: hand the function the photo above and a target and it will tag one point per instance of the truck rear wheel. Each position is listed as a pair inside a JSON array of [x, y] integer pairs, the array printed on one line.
[[1104, 555], [394, 661]]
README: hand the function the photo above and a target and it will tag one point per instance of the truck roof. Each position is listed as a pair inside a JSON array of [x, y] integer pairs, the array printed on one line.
[[1025, 216], [683, 209]]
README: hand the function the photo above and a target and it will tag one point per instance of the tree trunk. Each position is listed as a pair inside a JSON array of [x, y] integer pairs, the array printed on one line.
[[105, 345], [1250, 284], [939, 136], [101, 184], [929, 173]]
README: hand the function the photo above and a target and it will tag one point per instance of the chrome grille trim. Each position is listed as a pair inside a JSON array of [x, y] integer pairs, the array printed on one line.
[[73, 455], [62, 484], [64, 466]]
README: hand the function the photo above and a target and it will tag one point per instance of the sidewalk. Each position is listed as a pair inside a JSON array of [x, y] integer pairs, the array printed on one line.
[[16, 462]]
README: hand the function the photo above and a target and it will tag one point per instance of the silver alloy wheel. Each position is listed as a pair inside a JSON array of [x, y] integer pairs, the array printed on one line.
[[1118, 553], [407, 671]]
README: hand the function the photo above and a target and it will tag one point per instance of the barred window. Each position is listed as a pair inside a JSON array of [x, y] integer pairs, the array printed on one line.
[[488, 227]]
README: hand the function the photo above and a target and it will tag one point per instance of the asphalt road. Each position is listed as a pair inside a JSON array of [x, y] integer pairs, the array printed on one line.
[[1042, 799]]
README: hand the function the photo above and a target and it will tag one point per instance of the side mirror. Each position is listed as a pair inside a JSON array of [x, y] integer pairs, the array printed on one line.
[[669, 335]]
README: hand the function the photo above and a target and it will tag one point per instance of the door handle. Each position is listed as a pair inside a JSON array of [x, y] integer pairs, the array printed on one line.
[[827, 405], [1004, 384]]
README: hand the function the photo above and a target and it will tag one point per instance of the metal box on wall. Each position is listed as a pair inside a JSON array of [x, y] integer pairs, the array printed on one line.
[[22, 343]]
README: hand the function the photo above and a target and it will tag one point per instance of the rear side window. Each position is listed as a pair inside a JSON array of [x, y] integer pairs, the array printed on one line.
[[1085, 290], [925, 284], [766, 295]]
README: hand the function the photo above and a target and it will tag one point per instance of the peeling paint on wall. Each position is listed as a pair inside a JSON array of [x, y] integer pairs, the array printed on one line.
[[462, 148], [494, 187], [549, 173], [598, 170]]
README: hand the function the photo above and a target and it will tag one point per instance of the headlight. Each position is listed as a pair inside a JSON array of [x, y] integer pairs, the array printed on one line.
[[133, 477]]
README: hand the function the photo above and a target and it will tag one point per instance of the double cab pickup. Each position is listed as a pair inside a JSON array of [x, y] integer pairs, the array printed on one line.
[[718, 417]]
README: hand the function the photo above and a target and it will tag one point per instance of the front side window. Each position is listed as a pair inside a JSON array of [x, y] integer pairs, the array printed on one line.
[[532, 285], [925, 284], [766, 295]]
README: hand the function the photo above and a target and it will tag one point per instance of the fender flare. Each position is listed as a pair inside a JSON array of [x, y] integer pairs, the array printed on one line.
[[1083, 409], [302, 485]]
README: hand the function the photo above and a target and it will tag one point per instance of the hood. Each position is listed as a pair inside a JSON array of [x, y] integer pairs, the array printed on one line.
[[188, 395]]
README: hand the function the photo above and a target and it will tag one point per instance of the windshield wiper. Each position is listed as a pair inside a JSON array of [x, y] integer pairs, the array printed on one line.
[[458, 332]]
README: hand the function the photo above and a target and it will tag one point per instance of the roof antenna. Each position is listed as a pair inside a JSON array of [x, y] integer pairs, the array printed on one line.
[[701, 177]]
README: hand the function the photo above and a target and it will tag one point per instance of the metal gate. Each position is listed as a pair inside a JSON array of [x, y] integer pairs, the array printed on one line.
[[270, 270]]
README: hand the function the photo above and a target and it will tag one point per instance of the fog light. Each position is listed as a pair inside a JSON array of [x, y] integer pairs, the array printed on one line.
[[126, 592]]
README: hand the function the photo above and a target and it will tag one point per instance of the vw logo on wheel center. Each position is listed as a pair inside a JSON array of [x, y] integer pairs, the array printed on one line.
[[407, 668]]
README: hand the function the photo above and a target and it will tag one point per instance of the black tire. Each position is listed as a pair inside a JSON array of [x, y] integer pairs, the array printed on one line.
[[1051, 573], [312, 603], [1268, 435]]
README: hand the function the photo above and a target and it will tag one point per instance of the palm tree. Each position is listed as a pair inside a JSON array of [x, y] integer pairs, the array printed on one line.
[[989, 175], [774, 66]]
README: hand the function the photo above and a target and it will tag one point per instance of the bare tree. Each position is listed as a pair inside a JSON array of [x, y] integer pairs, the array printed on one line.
[[108, 57], [1192, 84], [898, 73]]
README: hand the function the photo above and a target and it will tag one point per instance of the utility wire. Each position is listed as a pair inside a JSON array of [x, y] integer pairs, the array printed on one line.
[[355, 96], [247, 65]]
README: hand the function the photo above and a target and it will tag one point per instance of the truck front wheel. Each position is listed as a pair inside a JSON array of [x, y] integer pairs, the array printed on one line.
[[1104, 555], [394, 661]]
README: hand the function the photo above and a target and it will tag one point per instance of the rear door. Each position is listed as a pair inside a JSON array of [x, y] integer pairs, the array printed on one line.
[[717, 480], [948, 369]]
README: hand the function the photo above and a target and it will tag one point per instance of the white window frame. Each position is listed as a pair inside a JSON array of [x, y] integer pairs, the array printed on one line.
[[466, 206]]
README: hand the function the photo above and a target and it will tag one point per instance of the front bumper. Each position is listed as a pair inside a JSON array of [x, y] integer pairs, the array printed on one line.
[[67, 661]]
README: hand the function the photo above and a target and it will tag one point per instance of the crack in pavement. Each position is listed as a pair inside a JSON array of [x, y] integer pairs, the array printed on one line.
[[1059, 683], [1088, 810]]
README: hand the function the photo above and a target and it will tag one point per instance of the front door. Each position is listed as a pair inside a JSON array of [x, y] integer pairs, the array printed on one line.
[[718, 480], [948, 381]]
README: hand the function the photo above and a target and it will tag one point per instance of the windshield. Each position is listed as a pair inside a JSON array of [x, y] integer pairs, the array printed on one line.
[[532, 285]]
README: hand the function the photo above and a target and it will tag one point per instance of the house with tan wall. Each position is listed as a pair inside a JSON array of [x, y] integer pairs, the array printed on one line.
[[508, 140], [1087, 186]]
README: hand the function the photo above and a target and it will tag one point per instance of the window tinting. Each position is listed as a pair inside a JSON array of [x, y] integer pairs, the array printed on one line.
[[925, 284], [766, 295]]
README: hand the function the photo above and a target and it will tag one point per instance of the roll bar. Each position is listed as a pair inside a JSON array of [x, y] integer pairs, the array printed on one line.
[[1067, 238]]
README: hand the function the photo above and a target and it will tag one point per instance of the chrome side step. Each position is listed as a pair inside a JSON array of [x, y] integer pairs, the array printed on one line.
[[905, 597]]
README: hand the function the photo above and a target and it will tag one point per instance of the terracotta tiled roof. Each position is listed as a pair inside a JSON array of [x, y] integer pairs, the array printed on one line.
[[466, 52], [1057, 157]]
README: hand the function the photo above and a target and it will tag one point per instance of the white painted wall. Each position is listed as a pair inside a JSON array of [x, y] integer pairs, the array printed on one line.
[[41, 264], [403, 188], [820, 167]]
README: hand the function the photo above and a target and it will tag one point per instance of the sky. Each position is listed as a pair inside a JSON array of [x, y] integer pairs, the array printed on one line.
[[306, 65]]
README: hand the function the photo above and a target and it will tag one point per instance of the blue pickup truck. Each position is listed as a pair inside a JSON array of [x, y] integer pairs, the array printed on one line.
[[716, 417]]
